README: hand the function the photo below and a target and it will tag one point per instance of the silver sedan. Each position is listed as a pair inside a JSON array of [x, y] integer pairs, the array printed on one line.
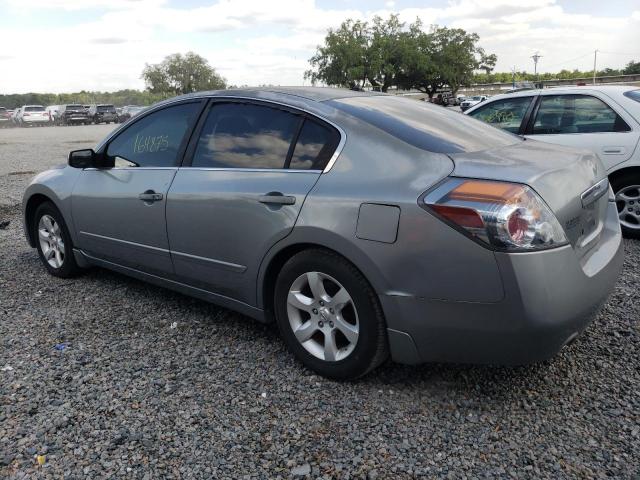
[[367, 226]]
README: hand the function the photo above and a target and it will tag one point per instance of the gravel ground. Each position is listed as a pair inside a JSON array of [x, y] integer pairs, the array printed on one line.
[[147, 383]]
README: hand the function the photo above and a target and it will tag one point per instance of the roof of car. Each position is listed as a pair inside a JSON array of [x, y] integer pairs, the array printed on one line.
[[568, 89], [313, 94]]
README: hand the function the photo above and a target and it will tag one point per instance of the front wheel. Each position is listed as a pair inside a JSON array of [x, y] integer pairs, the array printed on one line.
[[329, 315], [53, 242], [627, 192]]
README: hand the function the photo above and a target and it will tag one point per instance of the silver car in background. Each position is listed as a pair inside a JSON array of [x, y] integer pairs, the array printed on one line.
[[603, 119], [365, 225]]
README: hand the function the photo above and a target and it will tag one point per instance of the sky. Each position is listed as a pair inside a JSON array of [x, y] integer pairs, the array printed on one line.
[[72, 45]]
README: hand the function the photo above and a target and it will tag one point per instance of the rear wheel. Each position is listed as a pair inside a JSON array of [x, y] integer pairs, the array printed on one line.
[[627, 192], [53, 242], [329, 315]]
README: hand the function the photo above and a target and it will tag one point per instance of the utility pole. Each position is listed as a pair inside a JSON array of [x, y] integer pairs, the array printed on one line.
[[536, 57], [595, 57]]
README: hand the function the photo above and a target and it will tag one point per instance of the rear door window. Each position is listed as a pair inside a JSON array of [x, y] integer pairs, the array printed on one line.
[[315, 146], [156, 139], [564, 114], [506, 114], [633, 95], [243, 135]]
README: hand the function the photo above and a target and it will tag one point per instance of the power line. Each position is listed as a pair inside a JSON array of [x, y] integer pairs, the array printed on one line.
[[620, 53], [569, 61]]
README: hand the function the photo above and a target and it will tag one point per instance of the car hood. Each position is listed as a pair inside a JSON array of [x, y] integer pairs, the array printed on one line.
[[560, 175]]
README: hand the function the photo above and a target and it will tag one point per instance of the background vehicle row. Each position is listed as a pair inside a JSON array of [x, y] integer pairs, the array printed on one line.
[[68, 114]]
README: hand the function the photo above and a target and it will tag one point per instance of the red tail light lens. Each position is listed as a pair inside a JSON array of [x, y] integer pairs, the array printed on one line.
[[507, 216]]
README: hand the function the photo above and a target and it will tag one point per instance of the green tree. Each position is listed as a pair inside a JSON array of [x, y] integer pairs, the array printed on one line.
[[388, 52], [178, 74], [632, 68], [342, 60], [458, 56]]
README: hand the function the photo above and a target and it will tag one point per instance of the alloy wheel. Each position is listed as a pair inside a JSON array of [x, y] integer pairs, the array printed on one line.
[[323, 316], [51, 241], [628, 204]]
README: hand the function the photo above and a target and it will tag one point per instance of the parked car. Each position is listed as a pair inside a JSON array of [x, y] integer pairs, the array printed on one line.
[[32, 115], [603, 119], [472, 101], [459, 246], [5, 117], [72, 114], [129, 111], [52, 111], [103, 113]]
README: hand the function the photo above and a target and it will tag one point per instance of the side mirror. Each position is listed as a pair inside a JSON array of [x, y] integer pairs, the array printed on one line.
[[82, 158], [87, 158]]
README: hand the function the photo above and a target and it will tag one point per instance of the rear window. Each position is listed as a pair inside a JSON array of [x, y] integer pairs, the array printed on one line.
[[34, 109], [106, 108], [430, 127], [75, 107], [2, 109], [633, 95]]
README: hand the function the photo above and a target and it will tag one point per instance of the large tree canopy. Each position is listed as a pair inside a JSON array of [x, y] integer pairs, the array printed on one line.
[[178, 74], [388, 52]]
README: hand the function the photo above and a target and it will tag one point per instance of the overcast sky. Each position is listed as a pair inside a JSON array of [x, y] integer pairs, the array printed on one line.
[[70, 45]]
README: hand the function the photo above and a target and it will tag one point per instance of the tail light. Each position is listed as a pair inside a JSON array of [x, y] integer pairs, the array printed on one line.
[[26, 114], [506, 216]]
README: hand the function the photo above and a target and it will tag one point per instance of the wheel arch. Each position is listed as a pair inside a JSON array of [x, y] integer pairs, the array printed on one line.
[[305, 239], [634, 169], [30, 206]]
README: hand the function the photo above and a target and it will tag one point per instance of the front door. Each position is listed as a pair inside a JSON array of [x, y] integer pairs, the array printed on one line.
[[119, 212], [252, 167]]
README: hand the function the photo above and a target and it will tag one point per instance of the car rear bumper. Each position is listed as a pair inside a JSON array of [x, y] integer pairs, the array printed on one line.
[[35, 119], [550, 297]]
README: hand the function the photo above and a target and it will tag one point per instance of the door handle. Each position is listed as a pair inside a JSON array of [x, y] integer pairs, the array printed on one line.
[[277, 198], [612, 150], [150, 196]]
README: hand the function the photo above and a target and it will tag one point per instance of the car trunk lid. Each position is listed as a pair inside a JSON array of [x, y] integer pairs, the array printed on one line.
[[572, 182]]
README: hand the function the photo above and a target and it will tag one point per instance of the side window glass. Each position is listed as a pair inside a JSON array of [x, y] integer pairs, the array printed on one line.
[[238, 135], [562, 114], [154, 140], [315, 146], [506, 114]]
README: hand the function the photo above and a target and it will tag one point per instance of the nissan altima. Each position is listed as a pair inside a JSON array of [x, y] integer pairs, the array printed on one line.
[[365, 225]]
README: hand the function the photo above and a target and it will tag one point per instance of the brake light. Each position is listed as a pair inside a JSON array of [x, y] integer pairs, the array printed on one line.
[[507, 216]]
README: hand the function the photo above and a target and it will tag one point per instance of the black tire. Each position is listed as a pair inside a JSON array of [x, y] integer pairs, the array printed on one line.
[[619, 183], [371, 348], [69, 267]]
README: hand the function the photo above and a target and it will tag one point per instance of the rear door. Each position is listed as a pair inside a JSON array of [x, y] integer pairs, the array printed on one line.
[[585, 120], [119, 212], [252, 166]]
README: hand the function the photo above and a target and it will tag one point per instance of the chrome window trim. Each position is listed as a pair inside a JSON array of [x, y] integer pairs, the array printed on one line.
[[231, 169], [151, 109]]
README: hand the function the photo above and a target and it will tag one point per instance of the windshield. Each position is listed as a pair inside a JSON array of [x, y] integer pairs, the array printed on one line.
[[425, 126], [633, 95], [476, 98]]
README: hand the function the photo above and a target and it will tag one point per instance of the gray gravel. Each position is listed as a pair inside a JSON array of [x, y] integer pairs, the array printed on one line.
[[127, 395]]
